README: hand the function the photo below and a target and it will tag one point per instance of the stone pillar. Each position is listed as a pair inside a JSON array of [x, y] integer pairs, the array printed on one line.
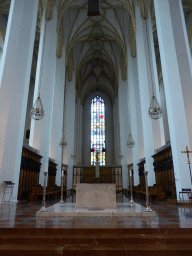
[[133, 119], [45, 78], [145, 94], [123, 121], [116, 132], [138, 110], [28, 113], [15, 76], [57, 117], [3, 22], [164, 112], [176, 69], [78, 130], [69, 128]]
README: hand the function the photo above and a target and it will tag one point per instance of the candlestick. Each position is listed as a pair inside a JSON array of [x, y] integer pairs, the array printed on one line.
[[46, 169], [43, 209], [148, 209], [62, 176], [131, 187]]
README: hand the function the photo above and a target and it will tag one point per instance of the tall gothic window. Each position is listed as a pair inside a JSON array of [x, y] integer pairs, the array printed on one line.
[[97, 130]]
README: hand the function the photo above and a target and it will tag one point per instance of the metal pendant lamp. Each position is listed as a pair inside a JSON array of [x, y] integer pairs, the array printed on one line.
[[155, 110], [37, 112], [130, 141], [63, 142]]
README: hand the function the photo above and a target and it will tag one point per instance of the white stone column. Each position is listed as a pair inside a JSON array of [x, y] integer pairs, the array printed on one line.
[[14, 77], [28, 113], [69, 128], [40, 137], [109, 131], [164, 113], [57, 116], [133, 119], [145, 94], [123, 122], [3, 24], [116, 132], [177, 82], [138, 110], [86, 157], [78, 130]]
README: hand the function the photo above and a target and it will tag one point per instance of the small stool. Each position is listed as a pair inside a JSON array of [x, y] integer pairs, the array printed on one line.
[[10, 185]]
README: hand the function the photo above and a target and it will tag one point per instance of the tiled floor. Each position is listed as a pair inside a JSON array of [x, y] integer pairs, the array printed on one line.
[[23, 215]]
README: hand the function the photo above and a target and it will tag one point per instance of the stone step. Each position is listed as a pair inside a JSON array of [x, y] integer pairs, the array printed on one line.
[[96, 231], [104, 239], [93, 250]]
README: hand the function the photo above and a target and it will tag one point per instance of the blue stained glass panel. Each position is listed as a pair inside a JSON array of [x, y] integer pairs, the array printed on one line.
[[97, 130]]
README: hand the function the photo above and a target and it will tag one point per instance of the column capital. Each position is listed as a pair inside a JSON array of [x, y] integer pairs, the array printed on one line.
[[49, 4], [143, 4], [132, 39]]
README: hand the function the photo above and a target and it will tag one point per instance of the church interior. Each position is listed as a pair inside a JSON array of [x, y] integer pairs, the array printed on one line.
[[95, 127]]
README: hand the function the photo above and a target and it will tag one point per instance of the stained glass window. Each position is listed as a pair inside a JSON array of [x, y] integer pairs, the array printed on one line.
[[97, 130]]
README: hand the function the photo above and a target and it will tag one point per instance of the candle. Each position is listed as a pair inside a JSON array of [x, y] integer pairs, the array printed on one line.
[[130, 172], [46, 169], [145, 167]]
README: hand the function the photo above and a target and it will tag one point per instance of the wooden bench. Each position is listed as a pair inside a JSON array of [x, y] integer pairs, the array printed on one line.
[[157, 192], [38, 191], [154, 191]]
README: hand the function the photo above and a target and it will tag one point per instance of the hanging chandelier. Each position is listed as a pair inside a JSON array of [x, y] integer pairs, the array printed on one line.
[[155, 110], [37, 112], [121, 155], [63, 142], [130, 142]]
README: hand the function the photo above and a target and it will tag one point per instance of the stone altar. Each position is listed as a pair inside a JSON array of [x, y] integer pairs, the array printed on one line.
[[98, 196]]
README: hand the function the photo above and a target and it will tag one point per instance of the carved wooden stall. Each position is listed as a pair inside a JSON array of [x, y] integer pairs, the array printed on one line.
[[164, 172], [141, 175], [29, 171], [155, 192], [52, 170]]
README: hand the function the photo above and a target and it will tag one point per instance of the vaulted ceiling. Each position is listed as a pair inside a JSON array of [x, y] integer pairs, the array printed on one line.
[[95, 46]]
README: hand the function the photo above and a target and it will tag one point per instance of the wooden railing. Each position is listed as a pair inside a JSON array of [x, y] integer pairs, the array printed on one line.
[[108, 174]]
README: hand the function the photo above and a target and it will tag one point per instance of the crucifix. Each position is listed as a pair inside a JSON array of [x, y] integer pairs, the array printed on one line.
[[188, 159]]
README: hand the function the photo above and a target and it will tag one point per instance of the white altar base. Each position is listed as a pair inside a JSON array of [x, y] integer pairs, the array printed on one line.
[[96, 195], [69, 210], [96, 200]]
